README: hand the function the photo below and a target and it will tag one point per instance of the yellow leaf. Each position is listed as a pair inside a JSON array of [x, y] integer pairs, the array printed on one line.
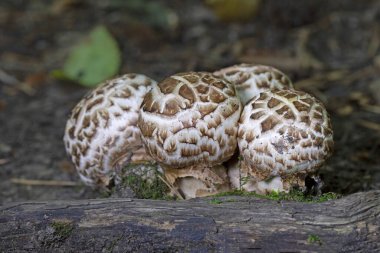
[[234, 10]]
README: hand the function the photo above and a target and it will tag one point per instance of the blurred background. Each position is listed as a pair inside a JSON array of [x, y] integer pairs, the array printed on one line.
[[53, 52]]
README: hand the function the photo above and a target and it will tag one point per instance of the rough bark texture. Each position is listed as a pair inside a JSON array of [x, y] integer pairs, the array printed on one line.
[[238, 224]]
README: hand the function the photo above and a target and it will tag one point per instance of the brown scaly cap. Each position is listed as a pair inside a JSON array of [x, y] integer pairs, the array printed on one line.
[[190, 118], [250, 80], [102, 131], [284, 133]]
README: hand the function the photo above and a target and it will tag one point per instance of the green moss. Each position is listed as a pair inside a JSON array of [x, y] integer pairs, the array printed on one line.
[[311, 239], [105, 193], [294, 195], [215, 201], [62, 228], [144, 189], [157, 189]]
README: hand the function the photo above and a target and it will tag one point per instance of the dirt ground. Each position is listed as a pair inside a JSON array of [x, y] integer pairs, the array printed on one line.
[[328, 48]]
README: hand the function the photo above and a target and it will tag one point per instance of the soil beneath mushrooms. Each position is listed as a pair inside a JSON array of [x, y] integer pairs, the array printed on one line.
[[328, 48]]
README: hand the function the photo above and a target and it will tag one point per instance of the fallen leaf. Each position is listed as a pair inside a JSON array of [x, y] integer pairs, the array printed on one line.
[[237, 10], [94, 59], [66, 166], [32, 82], [60, 6], [36, 80], [345, 110]]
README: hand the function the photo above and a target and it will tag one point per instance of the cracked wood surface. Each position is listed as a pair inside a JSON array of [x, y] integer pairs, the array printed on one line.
[[237, 224]]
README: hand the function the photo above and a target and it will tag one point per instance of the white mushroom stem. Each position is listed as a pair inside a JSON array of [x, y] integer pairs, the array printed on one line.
[[198, 180], [242, 180]]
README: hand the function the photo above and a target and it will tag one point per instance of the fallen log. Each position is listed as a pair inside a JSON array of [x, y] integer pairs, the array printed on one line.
[[230, 224]]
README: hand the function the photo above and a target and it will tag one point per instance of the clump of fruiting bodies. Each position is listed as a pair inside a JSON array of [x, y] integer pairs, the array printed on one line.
[[191, 124]]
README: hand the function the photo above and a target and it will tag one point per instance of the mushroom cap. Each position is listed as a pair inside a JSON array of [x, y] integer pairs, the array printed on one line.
[[284, 133], [250, 80], [102, 131], [190, 118]]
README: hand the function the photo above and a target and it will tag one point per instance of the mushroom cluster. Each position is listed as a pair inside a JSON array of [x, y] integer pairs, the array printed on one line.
[[242, 127]]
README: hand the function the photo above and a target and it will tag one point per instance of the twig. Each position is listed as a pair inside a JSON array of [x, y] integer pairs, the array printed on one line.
[[320, 80], [15, 83], [4, 161], [372, 108], [8, 79], [359, 74], [172, 188], [33, 182], [370, 124]]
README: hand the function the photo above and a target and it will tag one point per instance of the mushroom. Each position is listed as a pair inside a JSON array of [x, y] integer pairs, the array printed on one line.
[[189, 125], [283, 136], [250, 80], [101, 134]]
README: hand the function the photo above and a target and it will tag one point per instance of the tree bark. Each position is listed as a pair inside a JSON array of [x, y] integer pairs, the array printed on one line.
[[233, 224]]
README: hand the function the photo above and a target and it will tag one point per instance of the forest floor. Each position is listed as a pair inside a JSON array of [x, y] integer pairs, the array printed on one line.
[[328, 48]]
